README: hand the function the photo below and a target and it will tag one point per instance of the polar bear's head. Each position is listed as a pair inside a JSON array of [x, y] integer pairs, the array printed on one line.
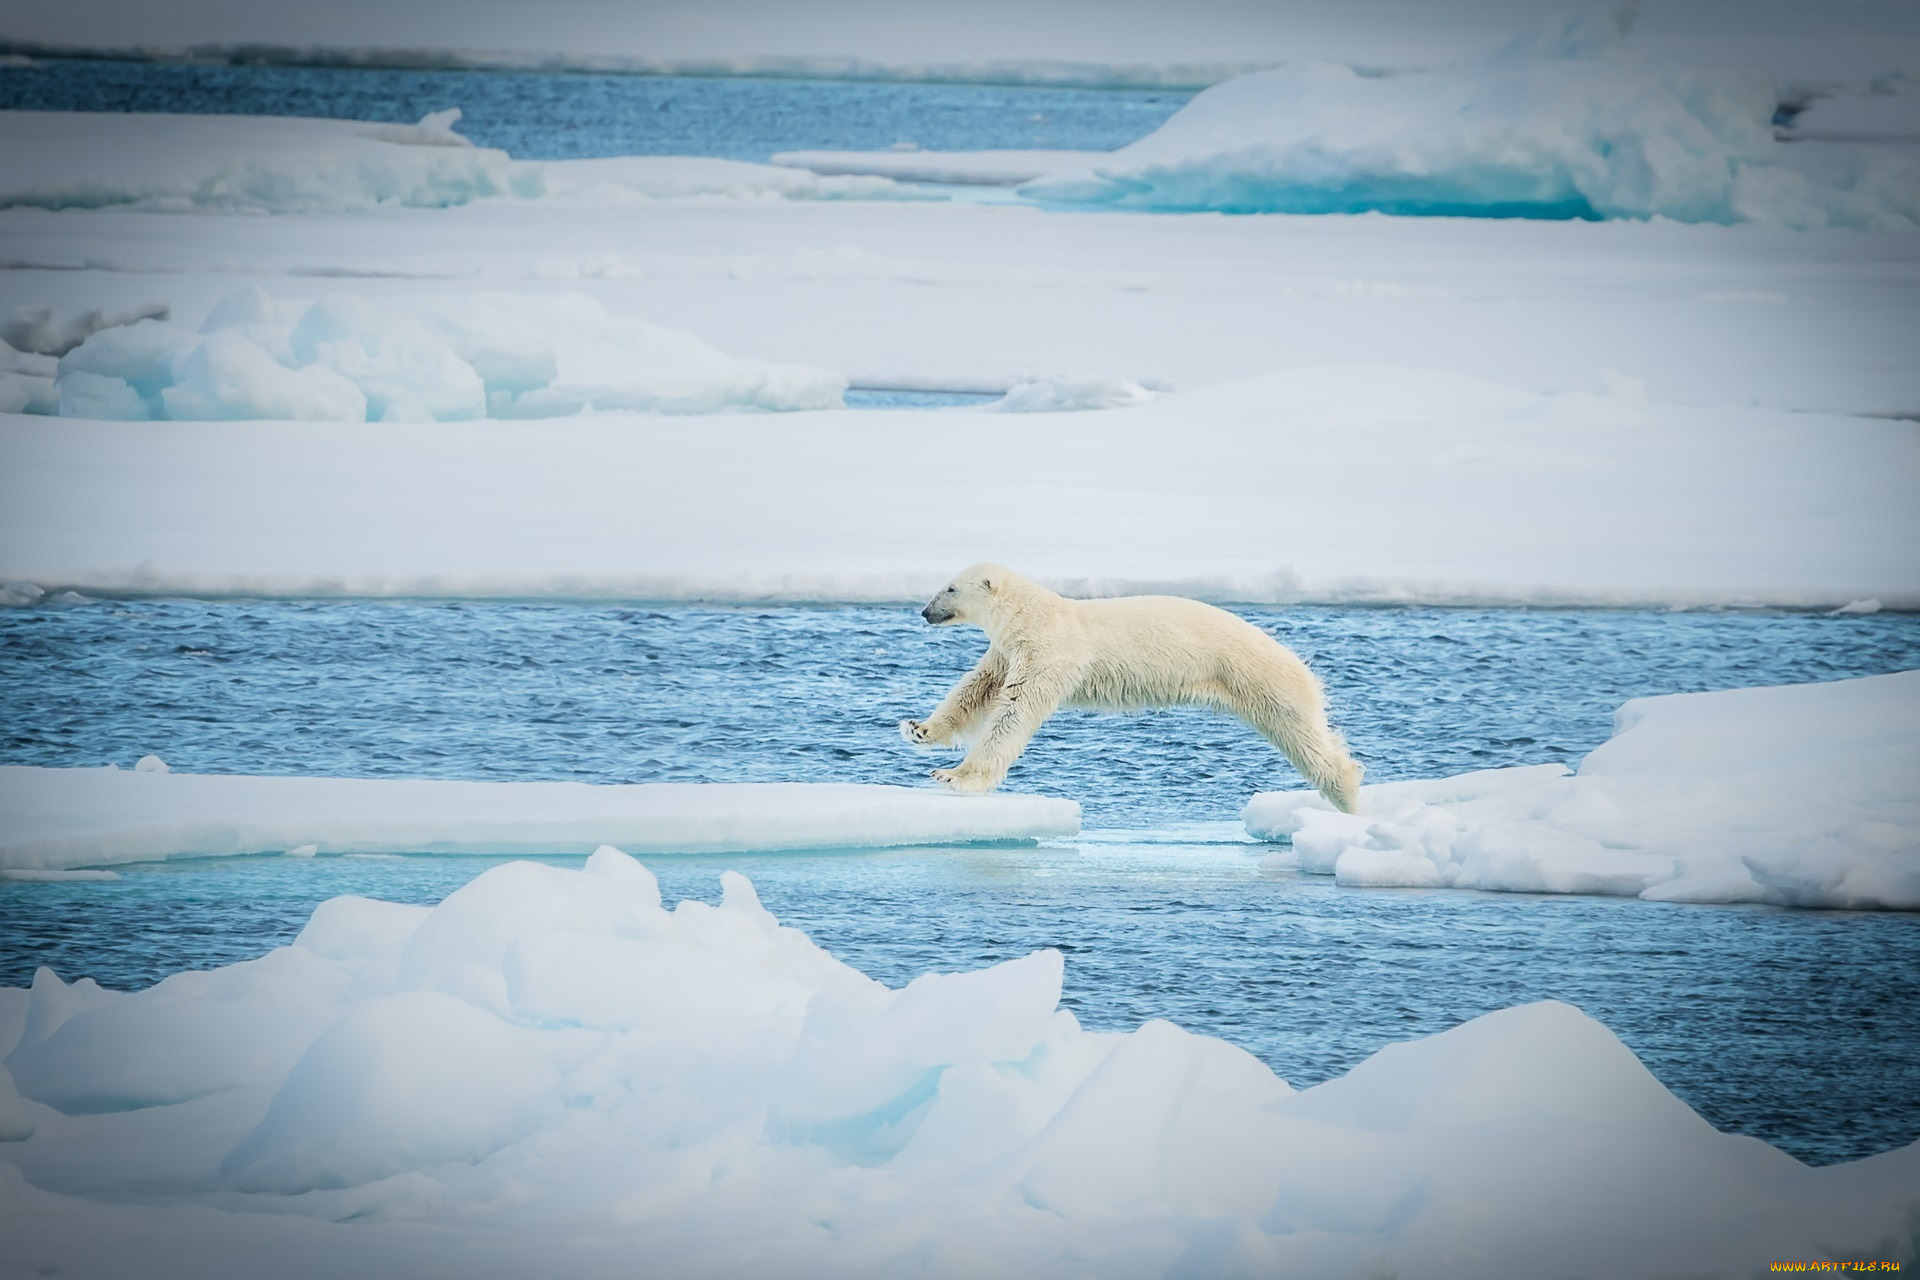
[[970, 596]]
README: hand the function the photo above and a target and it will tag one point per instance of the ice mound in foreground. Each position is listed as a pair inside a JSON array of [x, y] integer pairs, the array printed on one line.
[[552, 1072], [58, 818], [90, 160], [1564, 125], [1802, 795], [350, 358]]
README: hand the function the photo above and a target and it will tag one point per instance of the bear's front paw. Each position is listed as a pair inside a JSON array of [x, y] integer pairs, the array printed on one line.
[[961, 780], [915, 732]]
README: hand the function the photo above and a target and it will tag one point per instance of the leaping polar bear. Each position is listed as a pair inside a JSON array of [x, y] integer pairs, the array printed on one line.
[[1046, 652]]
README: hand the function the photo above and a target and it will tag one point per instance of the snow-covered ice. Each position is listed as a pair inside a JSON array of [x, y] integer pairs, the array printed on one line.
[[1555, 124], [953, 295], [551, 1067], [91, 160], [1067, 395], [1355, 484], [64, 818], [1802, 795], [347, 358]]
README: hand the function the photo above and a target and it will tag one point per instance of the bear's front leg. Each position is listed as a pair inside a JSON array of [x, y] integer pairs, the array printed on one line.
[[961, 710], [1021, 709]]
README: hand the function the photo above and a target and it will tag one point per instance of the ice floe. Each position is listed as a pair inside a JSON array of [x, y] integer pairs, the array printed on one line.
[[953, 295], [91, 160], [1802, 795], [348, 358], [552, 1067], [61, 818], [1560, 123], [1355, 484]]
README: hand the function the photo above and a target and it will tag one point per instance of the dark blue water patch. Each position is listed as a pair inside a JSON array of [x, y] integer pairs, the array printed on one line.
[[885, 398], [555, 116], [1801, 1028], [617, 693]]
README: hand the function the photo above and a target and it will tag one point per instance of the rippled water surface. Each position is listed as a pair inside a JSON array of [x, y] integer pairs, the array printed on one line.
[[623, 694], [1800, 1027], [545, 116]]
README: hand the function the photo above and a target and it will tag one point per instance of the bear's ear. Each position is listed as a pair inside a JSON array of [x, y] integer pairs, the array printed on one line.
[[986, 584]]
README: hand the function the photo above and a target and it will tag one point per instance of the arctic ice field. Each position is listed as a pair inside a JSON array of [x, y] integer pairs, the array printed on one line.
[[466, 504]]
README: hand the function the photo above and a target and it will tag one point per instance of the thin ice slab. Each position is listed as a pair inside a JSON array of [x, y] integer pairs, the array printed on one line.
[[59, 818]]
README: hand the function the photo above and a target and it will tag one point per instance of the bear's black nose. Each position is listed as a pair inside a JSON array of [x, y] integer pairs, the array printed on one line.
[[927, 613]]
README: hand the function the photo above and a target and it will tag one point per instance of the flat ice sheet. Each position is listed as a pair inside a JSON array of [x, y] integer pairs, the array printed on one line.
[[552, 1073], [274, 164], [1802, 795], [1358, 484], [63, 818]]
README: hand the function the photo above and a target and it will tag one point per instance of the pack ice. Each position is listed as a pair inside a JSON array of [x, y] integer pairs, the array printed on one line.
[[1801, 795], [349, 358], [552, 1073], [1559, 123]]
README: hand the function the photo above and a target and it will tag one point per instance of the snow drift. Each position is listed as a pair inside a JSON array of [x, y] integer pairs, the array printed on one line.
[[552, 1068], [1560, 124], [59, 818], [89, 160], [1803, 795], [349, 358]]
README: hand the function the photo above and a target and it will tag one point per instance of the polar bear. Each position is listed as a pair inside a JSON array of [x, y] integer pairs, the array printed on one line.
[[1046, 652]]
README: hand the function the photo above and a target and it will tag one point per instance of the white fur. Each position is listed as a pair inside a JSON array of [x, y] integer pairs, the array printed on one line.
[[1046, 652]]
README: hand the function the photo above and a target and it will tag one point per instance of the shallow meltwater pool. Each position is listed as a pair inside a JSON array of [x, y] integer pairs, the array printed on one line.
[[1799, 1027]]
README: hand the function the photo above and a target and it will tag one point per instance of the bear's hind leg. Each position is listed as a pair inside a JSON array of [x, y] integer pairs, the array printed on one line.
[[1303, 735]]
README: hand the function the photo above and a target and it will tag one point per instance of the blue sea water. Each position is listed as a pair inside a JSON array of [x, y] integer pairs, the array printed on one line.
[[554, 116], [1800, 1027]]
